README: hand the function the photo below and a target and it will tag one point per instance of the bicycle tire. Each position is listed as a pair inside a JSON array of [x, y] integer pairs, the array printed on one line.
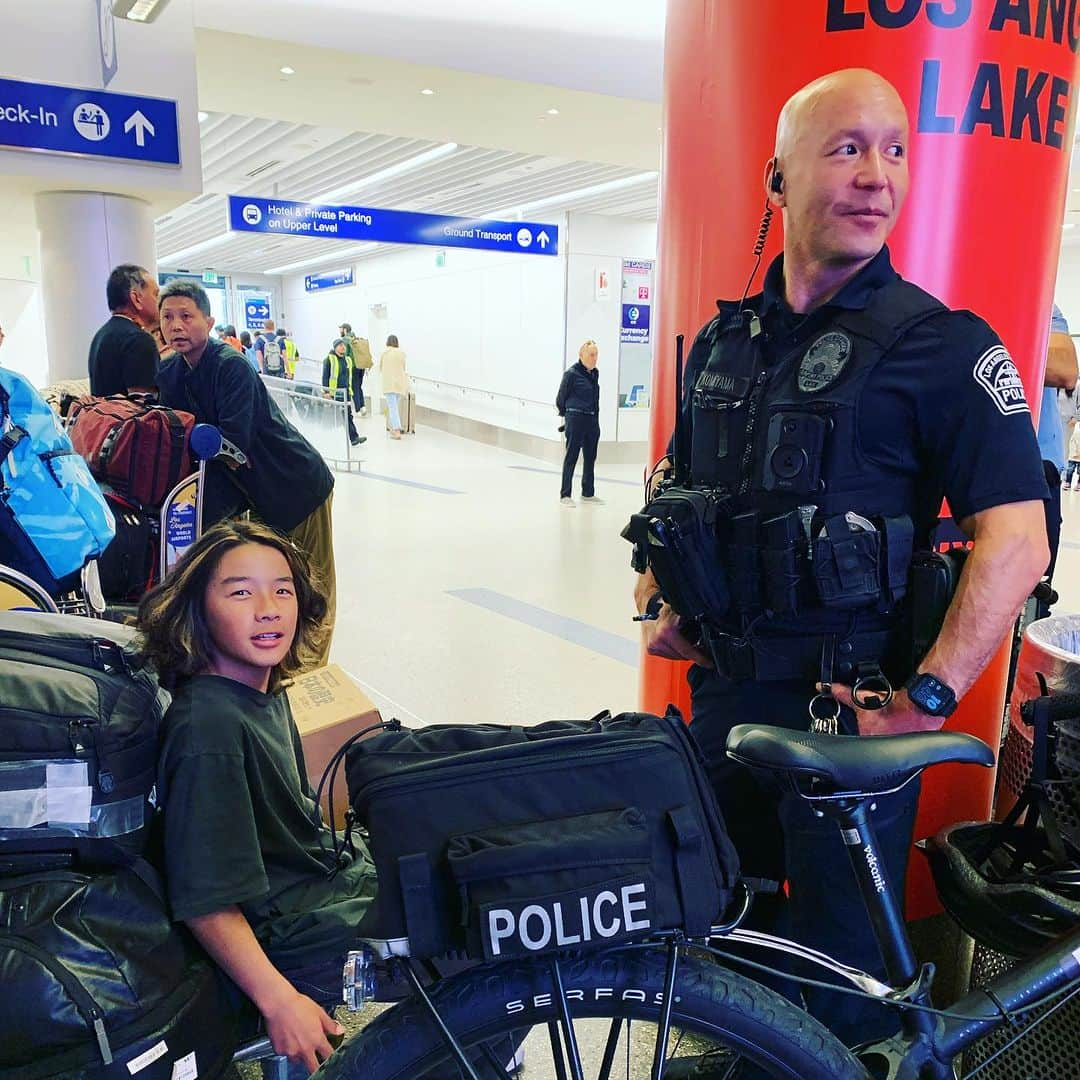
[[486, 1004]]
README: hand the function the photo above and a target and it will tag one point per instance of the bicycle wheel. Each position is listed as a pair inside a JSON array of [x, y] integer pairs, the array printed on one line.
[[722, 1023]]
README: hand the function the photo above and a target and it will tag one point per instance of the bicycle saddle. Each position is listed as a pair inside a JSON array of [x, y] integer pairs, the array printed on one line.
[[851, 763]]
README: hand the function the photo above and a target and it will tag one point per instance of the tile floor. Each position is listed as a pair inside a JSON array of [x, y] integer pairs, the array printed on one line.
[[467, 593]]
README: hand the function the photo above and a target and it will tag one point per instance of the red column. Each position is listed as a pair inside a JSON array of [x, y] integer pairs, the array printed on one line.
[[989, 86]]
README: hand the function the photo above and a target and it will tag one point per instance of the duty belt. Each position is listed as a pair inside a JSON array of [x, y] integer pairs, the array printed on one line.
[[582, 412], [772, 658]]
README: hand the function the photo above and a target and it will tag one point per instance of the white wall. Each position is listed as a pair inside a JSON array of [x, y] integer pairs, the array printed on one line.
[[484, 334], [1067, 288], [22, 319], [601, 243]]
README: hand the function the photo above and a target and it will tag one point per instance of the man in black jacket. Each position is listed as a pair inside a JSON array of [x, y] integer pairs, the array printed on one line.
[[578, 401]]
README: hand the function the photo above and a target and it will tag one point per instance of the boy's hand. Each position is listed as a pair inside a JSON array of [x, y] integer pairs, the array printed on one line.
[[298, 1028]]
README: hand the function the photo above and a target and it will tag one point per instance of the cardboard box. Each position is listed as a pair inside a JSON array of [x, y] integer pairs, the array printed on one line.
[[329, 708]]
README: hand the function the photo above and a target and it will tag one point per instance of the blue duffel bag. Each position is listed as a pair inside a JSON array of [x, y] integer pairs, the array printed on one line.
[[53, 517]]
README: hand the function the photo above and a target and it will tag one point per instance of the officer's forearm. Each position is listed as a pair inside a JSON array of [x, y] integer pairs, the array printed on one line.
[[1009, 558]]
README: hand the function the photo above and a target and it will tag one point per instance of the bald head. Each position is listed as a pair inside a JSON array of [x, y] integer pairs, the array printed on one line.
[[850, 85], [840, 176]]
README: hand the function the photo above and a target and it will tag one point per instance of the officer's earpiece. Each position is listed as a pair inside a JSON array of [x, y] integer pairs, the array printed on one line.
[[776, 184]]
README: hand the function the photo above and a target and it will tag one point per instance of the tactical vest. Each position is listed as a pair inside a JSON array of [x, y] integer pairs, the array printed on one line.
[[816, 537]]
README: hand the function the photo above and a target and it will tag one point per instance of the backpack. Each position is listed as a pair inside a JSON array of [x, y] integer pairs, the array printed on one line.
[[272, 357], [507, 841], [361, 352], [99, 983], [138, 448], [79, 743], [53, 518]]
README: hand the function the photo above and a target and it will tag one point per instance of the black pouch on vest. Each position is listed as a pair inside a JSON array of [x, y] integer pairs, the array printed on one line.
[[847, 565], [745, 561], [679, 532], [934, 577], [784, 562], [898, 540], [500, 841]]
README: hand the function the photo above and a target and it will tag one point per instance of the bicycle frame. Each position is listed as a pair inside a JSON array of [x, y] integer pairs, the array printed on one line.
[[928, 1043]]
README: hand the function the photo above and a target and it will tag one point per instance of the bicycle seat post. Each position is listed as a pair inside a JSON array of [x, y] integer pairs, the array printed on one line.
[[853, 819]]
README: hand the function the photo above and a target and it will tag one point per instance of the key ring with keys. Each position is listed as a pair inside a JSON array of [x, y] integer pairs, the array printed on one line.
[[825, 712]]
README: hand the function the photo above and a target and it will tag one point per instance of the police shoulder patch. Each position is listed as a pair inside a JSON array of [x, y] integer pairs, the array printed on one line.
[[996, 373], [823, 361]]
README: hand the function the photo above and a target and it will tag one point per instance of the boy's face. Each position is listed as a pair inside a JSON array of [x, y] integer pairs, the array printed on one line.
[[251, 612]]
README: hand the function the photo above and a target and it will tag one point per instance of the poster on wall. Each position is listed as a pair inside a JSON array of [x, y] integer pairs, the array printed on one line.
[[256, 311], [635, 334]]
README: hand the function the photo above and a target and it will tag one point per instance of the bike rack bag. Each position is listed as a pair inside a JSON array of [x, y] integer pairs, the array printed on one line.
[[515, 841]]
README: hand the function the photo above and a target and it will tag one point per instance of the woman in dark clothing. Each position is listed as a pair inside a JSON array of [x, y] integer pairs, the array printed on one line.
[[578, 401]]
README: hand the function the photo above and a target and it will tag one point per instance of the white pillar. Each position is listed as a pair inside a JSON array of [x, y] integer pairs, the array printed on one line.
[[83, 235]]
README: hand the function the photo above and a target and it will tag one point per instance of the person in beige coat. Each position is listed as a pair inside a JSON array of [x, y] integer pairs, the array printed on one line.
[[395, 382]]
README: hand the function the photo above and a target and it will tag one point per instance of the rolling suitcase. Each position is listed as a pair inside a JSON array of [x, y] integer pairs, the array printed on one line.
[[407, 410]]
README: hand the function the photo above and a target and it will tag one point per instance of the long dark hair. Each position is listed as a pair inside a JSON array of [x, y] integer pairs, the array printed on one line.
[[172, 616]]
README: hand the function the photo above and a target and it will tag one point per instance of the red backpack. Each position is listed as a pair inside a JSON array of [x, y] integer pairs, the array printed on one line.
[[139, 449]]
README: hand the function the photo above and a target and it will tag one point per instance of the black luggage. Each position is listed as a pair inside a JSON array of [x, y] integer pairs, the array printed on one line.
[[80, 719], [128, 566], [503, 841], [99, 983]]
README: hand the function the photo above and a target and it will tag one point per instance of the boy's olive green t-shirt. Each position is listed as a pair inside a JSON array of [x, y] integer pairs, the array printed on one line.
[[242, 826]]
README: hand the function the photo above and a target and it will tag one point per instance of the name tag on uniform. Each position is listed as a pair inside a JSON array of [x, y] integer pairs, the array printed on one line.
[[600, 915]]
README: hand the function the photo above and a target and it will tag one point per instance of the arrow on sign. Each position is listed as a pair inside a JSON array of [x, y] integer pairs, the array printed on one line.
[[543, 239], [141, 125]]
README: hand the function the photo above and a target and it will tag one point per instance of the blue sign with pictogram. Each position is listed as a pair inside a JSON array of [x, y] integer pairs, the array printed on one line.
[[67, 120], [331, 279], [256, 311], [635, 324], [312, 221]]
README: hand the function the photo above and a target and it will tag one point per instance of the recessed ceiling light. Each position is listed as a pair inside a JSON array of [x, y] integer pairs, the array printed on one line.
[[553, 112], [427, 91], [286, 70], [203, 116], [1069, 225]]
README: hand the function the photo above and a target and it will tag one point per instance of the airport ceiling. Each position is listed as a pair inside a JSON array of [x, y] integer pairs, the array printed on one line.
[[609, 47], [274, 158], [514, 102]]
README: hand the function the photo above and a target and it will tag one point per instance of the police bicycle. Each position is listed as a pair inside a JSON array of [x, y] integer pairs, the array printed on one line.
[[669, 1007]]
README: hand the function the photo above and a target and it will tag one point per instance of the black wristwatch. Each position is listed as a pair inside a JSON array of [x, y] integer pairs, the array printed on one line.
[[930, 695]]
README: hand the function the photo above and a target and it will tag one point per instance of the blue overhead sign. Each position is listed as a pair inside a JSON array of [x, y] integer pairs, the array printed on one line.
[[329, 279], [67, 120], [256, 311], [284, 218]]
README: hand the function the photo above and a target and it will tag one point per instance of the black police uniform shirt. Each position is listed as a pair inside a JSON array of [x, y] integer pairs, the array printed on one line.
[[286, 479], [579, 391], [241, 825], [923, 412], [122, 357]]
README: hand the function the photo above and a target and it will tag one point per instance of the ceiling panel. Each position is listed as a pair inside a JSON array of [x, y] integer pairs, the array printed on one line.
[[270, 158]]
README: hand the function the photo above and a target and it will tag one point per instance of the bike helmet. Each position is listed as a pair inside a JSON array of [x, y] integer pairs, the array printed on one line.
[[1003, 885]]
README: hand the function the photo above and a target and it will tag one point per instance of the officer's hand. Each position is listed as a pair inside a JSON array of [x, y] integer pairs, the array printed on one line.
[[298, 1028], [899, 717], [662, 466], [662, 636]]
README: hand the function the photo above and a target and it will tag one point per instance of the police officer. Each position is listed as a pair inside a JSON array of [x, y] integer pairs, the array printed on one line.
[[835, 409]]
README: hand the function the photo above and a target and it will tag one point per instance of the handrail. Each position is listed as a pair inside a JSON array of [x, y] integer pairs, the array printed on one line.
[[477, 390]]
